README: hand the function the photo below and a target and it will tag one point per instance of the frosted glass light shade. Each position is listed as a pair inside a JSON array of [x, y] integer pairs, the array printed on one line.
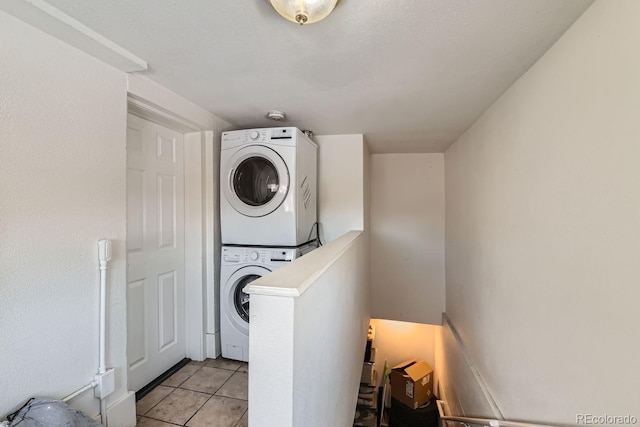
[[304, 11]]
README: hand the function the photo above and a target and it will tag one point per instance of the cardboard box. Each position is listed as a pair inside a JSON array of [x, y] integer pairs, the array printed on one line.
[[412, 383]]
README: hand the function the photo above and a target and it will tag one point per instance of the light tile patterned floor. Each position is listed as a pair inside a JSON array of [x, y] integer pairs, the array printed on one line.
[[212, 393]]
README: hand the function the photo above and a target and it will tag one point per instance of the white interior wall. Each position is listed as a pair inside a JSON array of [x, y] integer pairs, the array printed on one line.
[[213, 244], [542, 230], [407, 237], [62, 188], [341, 184], [366, 187], [339, 302], [308, 330], [85, 141]]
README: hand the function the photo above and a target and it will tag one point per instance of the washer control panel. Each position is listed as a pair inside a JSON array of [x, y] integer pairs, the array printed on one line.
[[244, 255], [240, 255]]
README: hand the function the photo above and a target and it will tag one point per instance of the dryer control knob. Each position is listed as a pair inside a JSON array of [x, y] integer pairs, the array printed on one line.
[[254, 256], [254, 135]]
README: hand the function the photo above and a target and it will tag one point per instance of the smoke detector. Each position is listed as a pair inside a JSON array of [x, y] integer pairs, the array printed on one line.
[[276, 115]]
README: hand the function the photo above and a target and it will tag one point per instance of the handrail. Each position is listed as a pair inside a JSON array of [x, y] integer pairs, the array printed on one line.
[[483, 421], [496, 411]]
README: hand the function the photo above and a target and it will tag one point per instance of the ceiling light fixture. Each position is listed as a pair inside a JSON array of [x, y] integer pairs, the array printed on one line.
[[304, 11]]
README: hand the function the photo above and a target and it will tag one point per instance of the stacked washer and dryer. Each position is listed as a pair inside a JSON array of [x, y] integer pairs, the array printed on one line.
[[268, 218]]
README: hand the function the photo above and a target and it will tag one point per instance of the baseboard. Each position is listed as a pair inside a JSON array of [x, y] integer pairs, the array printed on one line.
[[214, 348], [161, 378], [123, 412]]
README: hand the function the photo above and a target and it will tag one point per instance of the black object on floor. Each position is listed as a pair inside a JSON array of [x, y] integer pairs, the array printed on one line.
[[401, 415], [160, 379]]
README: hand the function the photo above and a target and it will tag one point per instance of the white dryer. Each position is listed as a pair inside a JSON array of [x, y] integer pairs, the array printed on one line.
[[268, 192], [241, 266]]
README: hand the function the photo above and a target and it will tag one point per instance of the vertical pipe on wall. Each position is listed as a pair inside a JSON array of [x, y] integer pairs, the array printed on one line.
[[104, 255]]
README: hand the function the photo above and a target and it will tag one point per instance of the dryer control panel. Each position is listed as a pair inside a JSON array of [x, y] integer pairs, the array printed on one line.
[[278, 136], [269, 134]]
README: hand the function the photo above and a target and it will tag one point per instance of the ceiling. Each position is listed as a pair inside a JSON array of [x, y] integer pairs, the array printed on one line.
[[411, 75]]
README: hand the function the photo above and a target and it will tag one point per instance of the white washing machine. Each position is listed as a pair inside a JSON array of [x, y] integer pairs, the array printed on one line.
[[239, 267], [268, 180]]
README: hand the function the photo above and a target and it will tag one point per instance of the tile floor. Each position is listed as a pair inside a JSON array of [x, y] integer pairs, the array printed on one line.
[[212, 393]]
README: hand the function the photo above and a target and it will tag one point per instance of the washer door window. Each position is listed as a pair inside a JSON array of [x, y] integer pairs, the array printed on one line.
[[241, 299], [237, 301], [258, 181]]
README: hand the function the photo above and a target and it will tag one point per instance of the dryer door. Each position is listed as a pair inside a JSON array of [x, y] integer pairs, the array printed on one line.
[[237, 301], [257, 181]]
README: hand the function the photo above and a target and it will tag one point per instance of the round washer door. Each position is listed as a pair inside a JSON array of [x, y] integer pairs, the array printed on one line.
[[237, 300], [257, 181]]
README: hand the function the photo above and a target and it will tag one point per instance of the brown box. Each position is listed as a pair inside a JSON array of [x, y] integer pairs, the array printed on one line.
[[412, 383]]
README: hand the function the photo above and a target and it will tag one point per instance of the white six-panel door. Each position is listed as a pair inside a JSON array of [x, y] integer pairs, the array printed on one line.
[[155, 250]]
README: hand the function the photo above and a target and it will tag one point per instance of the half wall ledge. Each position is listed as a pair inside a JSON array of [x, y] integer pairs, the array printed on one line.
[[296, 278]]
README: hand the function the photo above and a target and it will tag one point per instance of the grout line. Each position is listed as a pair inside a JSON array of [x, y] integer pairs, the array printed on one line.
[[224, 369], [220, 367], [243, 414], [234, 398], [149, 410], [179, 387], [226, 381], [194, 372], [157, 419], [197, 391], [198, 410]]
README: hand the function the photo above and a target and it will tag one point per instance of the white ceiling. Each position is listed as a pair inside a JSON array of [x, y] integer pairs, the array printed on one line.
[[411, 75]]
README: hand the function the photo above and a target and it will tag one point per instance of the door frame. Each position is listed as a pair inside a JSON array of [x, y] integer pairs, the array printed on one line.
[[199, 216]]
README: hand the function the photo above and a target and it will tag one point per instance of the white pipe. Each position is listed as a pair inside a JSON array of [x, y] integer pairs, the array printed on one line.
[[79, 392], [483, 421], [104, 255], [102, 368], [103, 412]]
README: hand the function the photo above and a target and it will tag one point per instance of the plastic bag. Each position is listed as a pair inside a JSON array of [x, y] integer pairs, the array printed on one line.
[[46, 412]]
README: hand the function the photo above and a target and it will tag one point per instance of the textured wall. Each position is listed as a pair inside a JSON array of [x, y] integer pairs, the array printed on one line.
[[542, 229], [342, 160], [62, 187], [306, 351], [407, 237]]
